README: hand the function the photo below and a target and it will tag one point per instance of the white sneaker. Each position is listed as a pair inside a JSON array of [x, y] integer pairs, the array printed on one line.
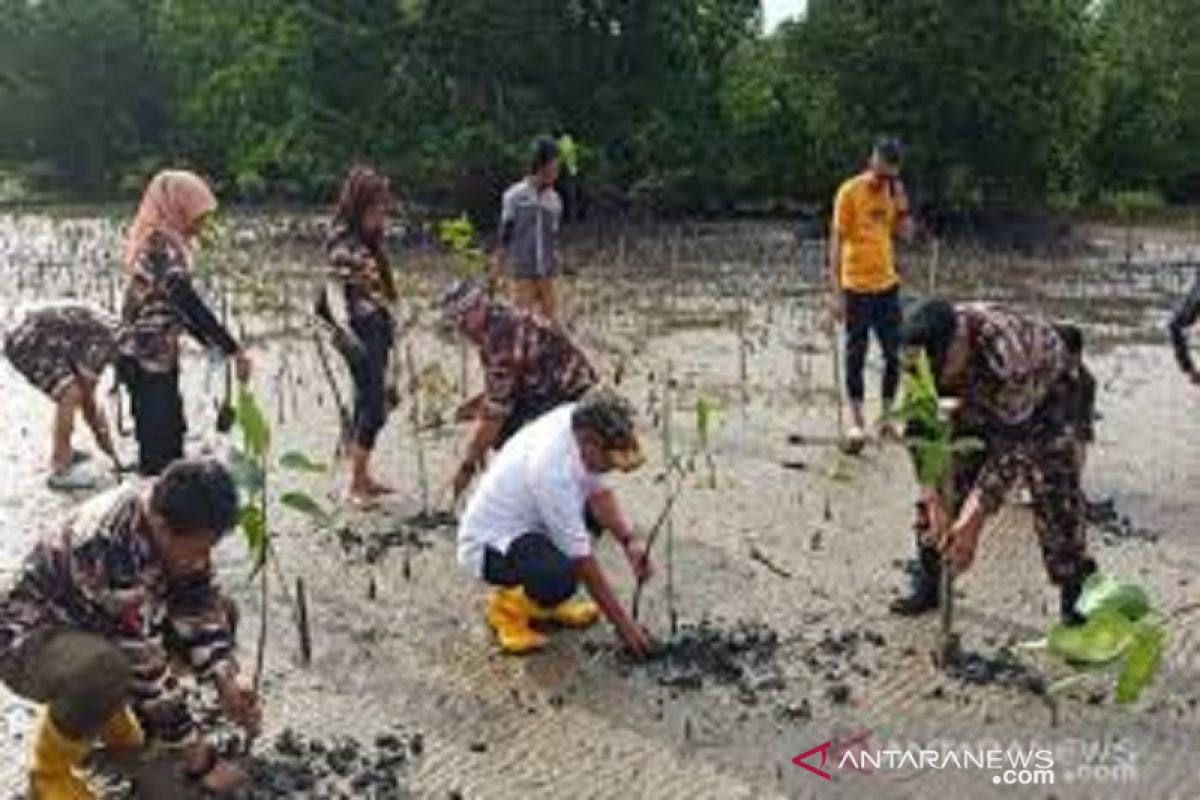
[[856, 439], [72, 479]]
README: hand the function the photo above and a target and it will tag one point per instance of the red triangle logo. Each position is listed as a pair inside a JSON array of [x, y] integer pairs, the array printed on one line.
[[823, 749]]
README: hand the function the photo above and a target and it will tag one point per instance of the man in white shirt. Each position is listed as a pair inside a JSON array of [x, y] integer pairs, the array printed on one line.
[[524, 530]]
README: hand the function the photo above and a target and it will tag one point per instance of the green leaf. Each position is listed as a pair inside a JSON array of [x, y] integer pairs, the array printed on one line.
[[256, 432], [300, 462], [933, 462], [1103, 592], [305, 504], [247, 473], [1142, 662], [253, 522], [1101, 640]]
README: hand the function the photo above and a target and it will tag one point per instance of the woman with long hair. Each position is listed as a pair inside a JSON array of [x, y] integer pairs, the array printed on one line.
[[360, 306]]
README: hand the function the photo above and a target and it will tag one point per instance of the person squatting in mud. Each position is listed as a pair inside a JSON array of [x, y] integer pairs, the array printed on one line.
[[102, 611], [530, 366], [524, 532], [530, 217], [358, 303], [63, 350], [1021, 397], [160, 304]]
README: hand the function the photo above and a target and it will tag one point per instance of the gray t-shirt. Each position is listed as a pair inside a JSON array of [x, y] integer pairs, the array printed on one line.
[[529, 219]]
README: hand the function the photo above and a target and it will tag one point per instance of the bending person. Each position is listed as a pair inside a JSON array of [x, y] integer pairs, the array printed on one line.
[[63, 350], [530, 367], [1020, 396]]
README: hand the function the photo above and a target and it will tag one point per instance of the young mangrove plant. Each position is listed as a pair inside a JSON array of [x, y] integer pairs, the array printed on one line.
[[253, 469]]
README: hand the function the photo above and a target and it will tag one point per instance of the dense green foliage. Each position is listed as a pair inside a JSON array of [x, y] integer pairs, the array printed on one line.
[[678, 104]]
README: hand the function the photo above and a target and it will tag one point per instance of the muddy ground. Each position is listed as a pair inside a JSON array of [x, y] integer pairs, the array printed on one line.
[[776, 578]]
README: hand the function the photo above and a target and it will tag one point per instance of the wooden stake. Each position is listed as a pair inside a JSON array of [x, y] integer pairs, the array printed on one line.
[[669, 523], [302, 623], [415, 398]]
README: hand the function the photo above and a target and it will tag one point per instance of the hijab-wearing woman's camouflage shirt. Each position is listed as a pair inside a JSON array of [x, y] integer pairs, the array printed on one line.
[[160, 305]]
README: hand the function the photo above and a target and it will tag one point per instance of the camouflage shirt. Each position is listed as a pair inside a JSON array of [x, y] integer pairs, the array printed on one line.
[[55, 343], [99, 574], [1018, 394], [160, 304], [355, 268], [526, 358]]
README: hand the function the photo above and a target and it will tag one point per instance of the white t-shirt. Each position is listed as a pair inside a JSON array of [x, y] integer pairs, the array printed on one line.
[[536, 484]]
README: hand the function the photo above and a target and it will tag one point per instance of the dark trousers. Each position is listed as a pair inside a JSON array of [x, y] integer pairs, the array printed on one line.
[[880, 313], [369, 372], [158, 419], [535, 564]]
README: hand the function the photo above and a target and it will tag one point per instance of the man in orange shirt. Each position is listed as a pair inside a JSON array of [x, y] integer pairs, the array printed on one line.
[[871, 208]]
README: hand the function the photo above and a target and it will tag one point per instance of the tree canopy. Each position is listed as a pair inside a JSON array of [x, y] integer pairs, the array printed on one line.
[[675, 104]]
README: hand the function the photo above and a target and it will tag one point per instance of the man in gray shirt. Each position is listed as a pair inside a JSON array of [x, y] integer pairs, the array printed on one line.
[[531, 213]]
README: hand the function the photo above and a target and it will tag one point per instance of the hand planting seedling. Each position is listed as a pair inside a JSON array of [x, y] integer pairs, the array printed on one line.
[[934, 448]]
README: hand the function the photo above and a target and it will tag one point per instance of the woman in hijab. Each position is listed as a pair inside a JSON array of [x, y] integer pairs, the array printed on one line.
[[359, 304], [161, 304]]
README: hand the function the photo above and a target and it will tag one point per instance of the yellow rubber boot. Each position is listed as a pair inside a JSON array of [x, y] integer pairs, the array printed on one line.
[[508, 614], [572, 613], [122, 731], [55, 758]]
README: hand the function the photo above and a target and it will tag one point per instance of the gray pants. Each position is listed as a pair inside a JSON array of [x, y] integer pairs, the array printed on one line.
[[82, 677]]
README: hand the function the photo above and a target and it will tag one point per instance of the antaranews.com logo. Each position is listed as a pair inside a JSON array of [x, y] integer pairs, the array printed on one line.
[[1008, 763]]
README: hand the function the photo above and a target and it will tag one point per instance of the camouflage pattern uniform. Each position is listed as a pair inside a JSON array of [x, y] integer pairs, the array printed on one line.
[[96, 589], [160, 305], [1021, 399], [54, 343], [530, 366]]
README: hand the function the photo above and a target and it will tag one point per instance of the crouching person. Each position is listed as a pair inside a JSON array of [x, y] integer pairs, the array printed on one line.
[[89, 627], [524, 531]]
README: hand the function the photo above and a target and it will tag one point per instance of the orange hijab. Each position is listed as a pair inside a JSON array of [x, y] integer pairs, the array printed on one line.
[[171, 204]]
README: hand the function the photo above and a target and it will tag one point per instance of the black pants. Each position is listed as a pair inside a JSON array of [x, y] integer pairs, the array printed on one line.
[[369, 372], [535, 564], [158, 419], [879, 313]]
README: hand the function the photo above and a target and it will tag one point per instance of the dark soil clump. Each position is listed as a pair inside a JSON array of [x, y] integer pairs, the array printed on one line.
[[1001, 669], [298, 766], [741, 656]]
